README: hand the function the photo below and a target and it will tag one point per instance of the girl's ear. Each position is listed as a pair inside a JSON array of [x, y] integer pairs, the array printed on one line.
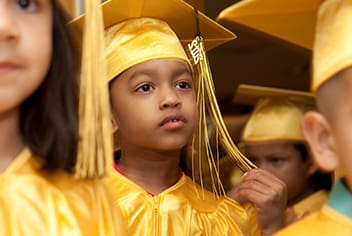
[[114, 125], [317, 132]]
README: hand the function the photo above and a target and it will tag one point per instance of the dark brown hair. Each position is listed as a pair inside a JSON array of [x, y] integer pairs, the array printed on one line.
[[49, 117], [319, 180]]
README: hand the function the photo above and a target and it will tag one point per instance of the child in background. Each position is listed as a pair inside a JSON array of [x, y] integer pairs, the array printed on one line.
[[273, 140], [153, 89], [39, 141], [328, 130]]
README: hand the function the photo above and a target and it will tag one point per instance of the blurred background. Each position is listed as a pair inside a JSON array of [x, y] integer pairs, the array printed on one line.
[[252, 58]]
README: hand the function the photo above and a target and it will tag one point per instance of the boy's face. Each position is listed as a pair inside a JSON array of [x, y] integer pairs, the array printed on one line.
[[285, 161], [154, 105], [330, 133]]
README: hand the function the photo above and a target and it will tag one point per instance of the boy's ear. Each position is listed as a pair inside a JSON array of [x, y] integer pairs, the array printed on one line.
[[114, 125], [317, 132]]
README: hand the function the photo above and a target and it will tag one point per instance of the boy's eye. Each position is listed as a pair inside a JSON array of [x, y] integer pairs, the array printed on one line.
[[183, 85], [277, 161], [144, 88]]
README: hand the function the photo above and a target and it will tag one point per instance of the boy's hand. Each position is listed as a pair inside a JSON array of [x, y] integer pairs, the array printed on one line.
[[267, 194]]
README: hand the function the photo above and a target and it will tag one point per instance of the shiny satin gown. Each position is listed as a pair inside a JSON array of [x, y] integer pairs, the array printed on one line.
[[34, 204], [334, 218], [177, 211], [310, 204]]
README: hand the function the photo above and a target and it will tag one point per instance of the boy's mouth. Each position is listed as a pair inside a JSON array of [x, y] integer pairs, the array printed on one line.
[[174, 121]]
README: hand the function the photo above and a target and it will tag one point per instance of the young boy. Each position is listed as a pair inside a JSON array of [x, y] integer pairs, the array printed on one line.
[[328, 131], [156, 112], [273, 140]]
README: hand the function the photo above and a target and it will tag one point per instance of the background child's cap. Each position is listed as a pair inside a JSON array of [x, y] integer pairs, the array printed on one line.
[[332, 47], [277, 114], [290, 20], [141, 30]]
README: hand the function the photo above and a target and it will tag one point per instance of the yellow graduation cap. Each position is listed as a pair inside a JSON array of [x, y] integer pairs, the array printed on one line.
[[140, 30], [322, 23], [290, 20], [332, 47], [277, 114], [132, 25], [176, 13]]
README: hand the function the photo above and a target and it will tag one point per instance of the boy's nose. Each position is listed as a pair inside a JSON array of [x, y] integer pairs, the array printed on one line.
[[170, 99]]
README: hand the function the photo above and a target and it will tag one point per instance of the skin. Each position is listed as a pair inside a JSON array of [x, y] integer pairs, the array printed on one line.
[[328, 132], [156, 90], [284, 161], [25, 55], [268, 195]]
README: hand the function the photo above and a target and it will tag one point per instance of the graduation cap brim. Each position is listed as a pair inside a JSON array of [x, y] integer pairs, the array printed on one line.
[[250, 94], [291, 20], [177, 14]]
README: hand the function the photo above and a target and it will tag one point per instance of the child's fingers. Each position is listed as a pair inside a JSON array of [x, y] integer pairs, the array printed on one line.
[[263, 176]]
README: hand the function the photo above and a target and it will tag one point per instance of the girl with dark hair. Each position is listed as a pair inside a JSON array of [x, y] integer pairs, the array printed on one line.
[[39, 138]]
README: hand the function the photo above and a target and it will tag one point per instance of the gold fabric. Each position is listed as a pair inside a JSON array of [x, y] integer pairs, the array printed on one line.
[[95, 147], [177, 14], [177, 210], [326, 221], [310, 204], [138, 40], [250, 94], [33, 203], [332, 47], [275, 119], [296, 21], [290, 20]]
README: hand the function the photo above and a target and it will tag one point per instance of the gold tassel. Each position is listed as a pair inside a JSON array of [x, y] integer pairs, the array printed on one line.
[[95, 145], [209, 109]]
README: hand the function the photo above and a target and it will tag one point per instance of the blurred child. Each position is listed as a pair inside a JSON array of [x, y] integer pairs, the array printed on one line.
[[328, 129], [160, 102], [39, 141], [273, 140]]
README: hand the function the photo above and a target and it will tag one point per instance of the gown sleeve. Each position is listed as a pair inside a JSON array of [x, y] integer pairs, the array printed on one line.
[[35, 204]]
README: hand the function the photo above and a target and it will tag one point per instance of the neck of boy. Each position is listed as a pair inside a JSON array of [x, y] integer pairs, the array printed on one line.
[[152, 170], [11, 143], [309, 191]]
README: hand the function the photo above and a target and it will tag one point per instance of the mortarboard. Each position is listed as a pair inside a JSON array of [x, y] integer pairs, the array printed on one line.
[[290, 20], [332, 50], [323, 24], [277, 114]]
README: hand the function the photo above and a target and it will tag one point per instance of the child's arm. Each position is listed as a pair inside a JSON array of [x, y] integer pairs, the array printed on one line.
[[267, 194]]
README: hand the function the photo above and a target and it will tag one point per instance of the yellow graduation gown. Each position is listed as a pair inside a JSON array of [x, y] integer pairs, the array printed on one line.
[[32, 203], [177, 211], [311, 203], [334, 218]]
